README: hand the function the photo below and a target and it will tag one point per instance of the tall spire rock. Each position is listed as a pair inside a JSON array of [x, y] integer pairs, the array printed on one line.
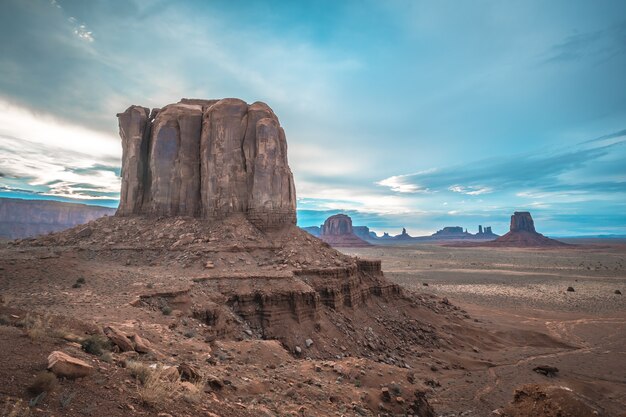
[[209, 159]]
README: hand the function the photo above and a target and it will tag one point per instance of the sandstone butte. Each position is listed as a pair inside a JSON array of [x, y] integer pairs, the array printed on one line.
[[522, 233], [207, 159], [337, 231]]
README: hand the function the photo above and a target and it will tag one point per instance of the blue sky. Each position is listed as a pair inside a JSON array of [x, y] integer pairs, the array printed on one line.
[[420, 114]]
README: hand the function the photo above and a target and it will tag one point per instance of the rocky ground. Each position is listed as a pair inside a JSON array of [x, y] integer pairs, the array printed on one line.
[[270, 323], [181, 317]]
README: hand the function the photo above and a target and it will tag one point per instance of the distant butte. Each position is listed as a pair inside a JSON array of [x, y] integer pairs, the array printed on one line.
[[337, 231], [522, 233]]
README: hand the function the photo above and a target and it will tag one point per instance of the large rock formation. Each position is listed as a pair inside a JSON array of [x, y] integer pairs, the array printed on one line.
[[206, 158], [522, 221], [522, 233], [337, 231], [28, 218]]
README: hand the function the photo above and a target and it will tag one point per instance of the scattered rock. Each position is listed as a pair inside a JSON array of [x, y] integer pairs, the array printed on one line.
[[84, 232], [385, 395], [618, 292], [141, 344], [549, 371], [308, 342], [570, 289], [66, 366], [119, 339]]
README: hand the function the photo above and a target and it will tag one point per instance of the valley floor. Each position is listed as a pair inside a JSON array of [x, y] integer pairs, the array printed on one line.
[[523, 292]]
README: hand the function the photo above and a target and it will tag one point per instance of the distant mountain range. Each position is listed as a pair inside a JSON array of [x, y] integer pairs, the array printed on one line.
[[27, 218]]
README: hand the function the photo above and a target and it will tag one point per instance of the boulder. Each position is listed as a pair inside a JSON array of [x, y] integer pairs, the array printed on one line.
[[207, 158], [119, 339], [141, 345], [66, 366]]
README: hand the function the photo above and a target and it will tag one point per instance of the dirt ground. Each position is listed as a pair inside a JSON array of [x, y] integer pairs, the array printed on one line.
[[524, 291], [280, 324]]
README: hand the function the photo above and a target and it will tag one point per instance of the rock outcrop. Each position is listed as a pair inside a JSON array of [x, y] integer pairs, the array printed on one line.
[[29, 218], [522, 233], [209, 159], [337, 231], [522, 221]]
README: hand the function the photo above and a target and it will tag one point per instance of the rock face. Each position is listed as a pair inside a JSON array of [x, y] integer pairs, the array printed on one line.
[[337, 231], [522, 221], [206, 158], [28, 218]]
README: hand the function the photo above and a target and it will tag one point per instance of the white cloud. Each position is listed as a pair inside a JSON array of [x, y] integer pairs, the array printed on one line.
[[57, 158], [19, 122], [83, 33], [470, 190]]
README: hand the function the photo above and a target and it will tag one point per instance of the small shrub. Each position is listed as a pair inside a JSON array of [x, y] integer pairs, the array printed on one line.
[[395, 390], [189, 333], [157, 390], [166, 310], [34, 401], [36, 326], [4, 320], [106, 357], [149, 285], [195, 396], [138, 370], [357, 383], [96, 344], [80, 280], [76, 285], [44, 382]]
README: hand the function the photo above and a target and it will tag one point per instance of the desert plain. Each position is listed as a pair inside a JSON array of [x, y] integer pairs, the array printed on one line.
[[523, 293]]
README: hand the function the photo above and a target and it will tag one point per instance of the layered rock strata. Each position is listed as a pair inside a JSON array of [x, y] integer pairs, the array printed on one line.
[[209, 159]]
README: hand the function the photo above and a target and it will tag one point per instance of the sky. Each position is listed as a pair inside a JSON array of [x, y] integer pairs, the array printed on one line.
[[416, 114]]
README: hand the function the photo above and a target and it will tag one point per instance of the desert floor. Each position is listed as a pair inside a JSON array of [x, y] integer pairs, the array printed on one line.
[[524, 292]]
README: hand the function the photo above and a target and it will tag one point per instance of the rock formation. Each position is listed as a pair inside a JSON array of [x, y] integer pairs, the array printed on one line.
[[314, 230], [28, 218], [363, 232], [337, 231], [522, 221], [451, 232], [523, 234], [206, 158], [403, 236]]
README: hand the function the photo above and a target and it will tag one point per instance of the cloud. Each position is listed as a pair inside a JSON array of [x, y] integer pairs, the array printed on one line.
[[542, 170], [470, 190], [57, 159], [597, 45]]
